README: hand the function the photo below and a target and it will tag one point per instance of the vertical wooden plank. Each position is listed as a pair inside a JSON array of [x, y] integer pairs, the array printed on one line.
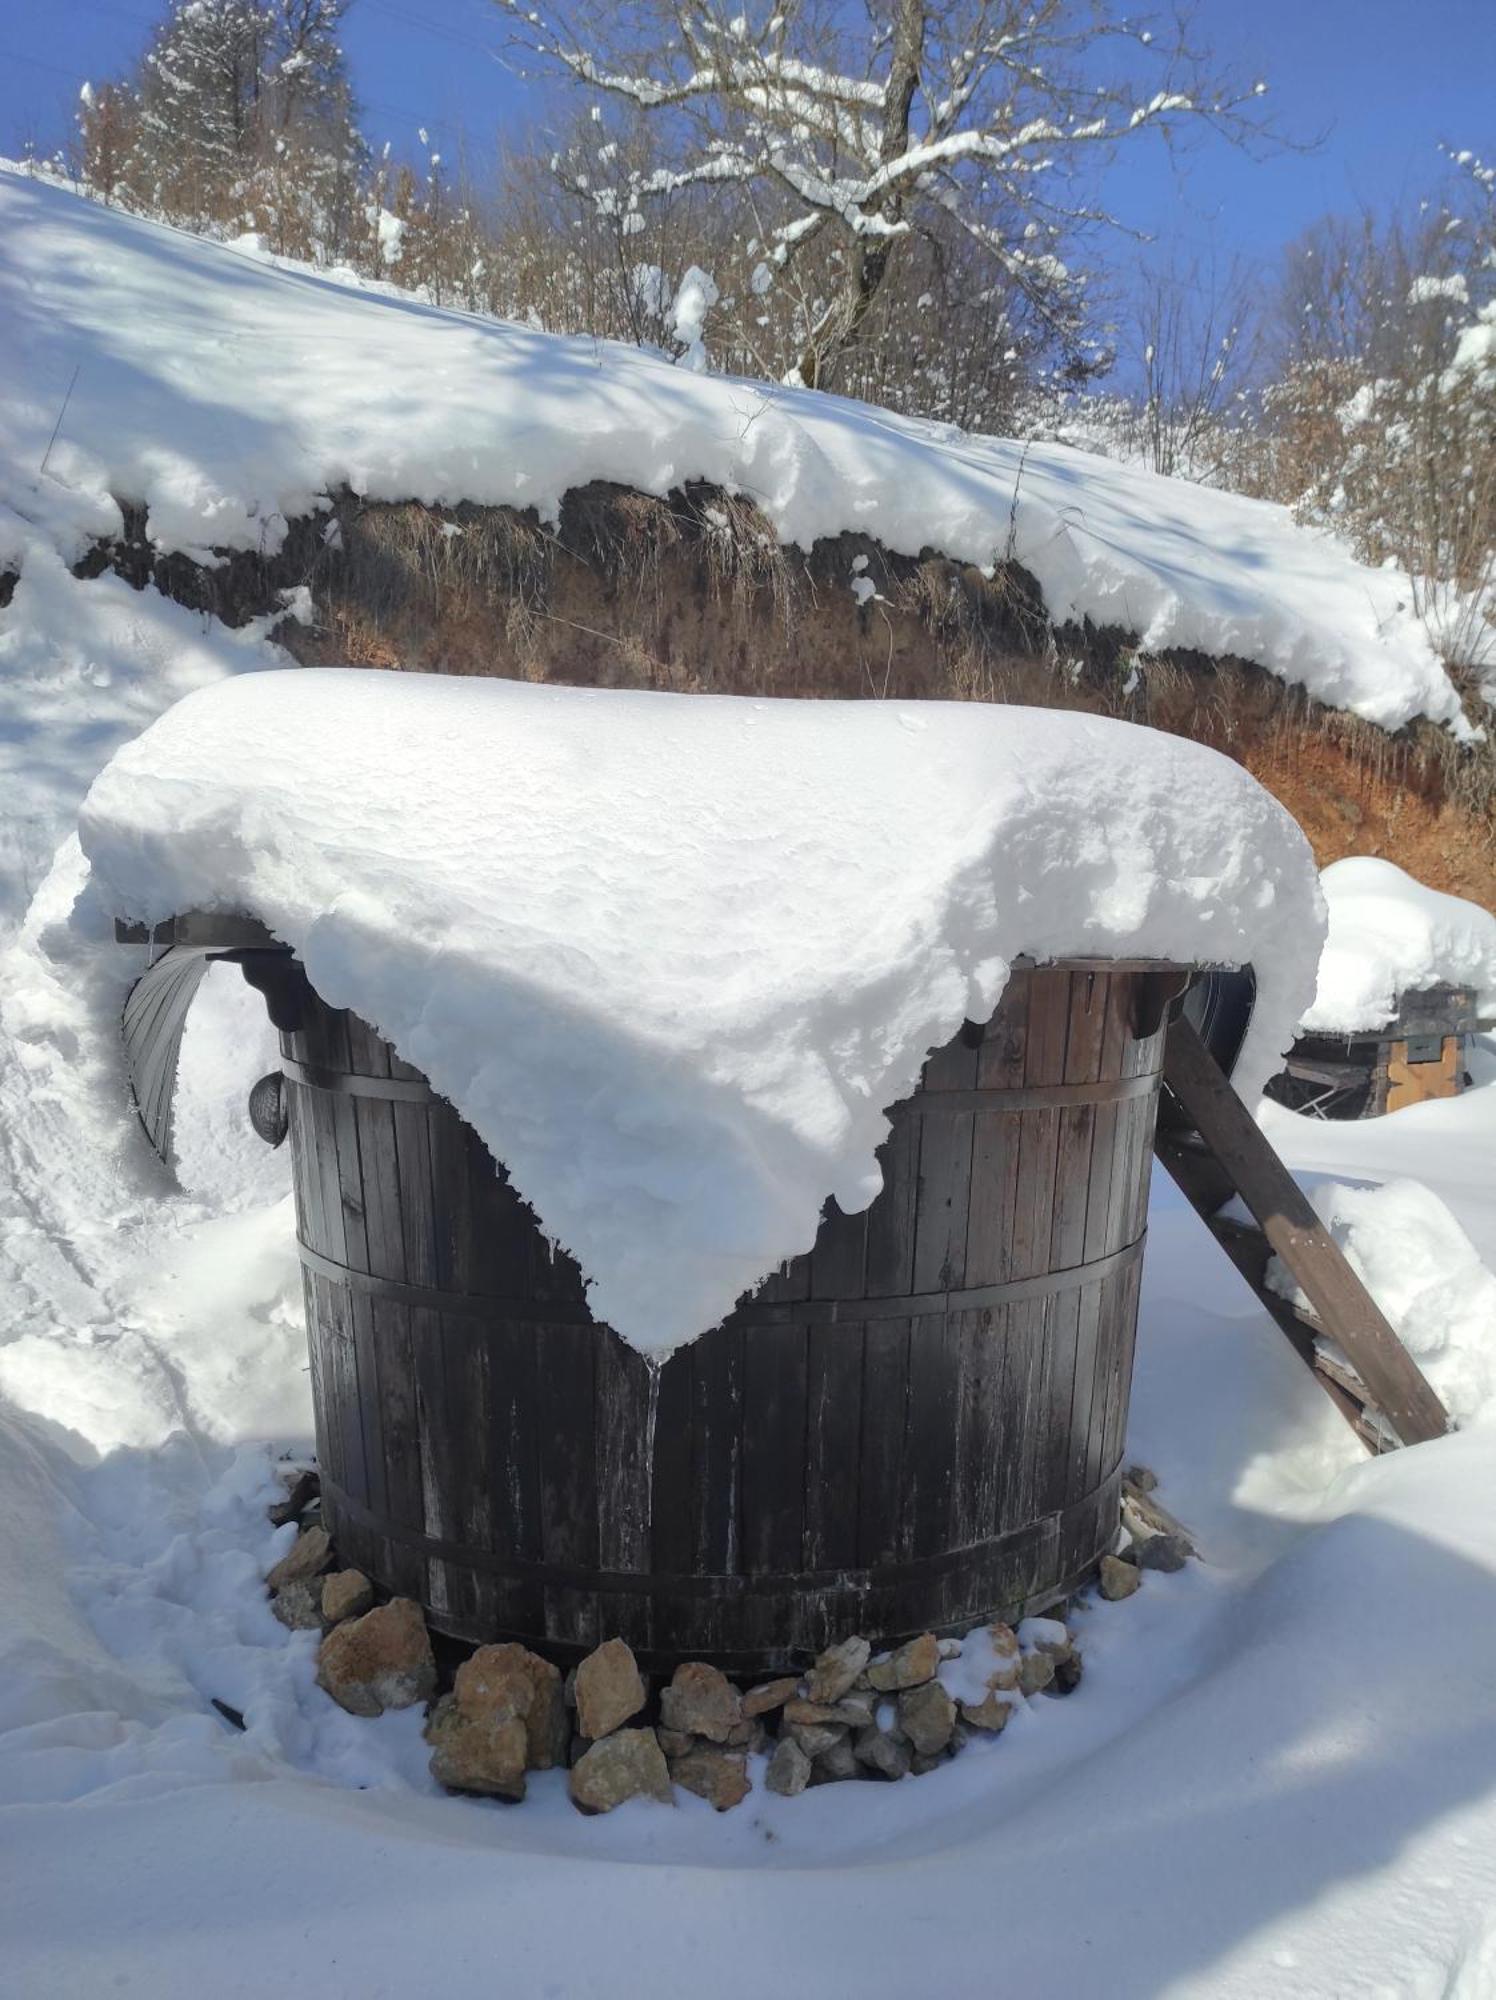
[[621, 1403], [1023, 1408], [394, 1385], [1052, 1433], [891, 1215], [885, 1401], [931, 1441], [565, 1402], [773, 1448], [716, 1422], [945, 1163], [838, 1264], [983, 1337], [1083, 1389], [833, 1395]]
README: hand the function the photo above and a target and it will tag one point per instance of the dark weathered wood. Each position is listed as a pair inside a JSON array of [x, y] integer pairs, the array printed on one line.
[[1291, 1228], [771, 1485]]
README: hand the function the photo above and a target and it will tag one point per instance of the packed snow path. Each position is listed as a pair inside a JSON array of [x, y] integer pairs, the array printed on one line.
[[229, 394]]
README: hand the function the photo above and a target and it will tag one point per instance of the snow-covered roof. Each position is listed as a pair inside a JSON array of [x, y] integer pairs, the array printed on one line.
[[229, 393], [1388, 936], [674, 955]]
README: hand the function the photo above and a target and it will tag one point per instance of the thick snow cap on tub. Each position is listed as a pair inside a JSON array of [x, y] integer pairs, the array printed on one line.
[[229, 394], [673, 955], [1389, 935]]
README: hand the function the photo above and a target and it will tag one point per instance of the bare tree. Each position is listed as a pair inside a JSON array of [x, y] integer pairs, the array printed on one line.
[[991, 114]]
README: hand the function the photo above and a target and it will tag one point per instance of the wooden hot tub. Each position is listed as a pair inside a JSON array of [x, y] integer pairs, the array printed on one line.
[[917, 1424]]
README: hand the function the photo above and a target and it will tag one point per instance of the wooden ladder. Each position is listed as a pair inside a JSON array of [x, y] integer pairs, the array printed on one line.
[[1368, 1374]]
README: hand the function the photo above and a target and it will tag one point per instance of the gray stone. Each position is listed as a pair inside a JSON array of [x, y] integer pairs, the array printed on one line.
[[814, 1738], [486, 1678], [1067, 1674], [1163, 1552], [769, 1695], [789, 1768], [674, 1742], [308, 1556], [836, 1763], [610, 1689], [702, 1701], [382, 1660], [1117, 1579], [346, 1593], [836, 1669], [718, 1776], [927, 1716], [885, 1754], [1142, 1477], [921, 1764], [302, 1489], [629, 1764], [299, 1606], [912, 1665], [482, 1749]]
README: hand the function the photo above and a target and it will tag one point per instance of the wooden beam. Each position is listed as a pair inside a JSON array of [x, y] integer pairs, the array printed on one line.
[[1342, 1304]]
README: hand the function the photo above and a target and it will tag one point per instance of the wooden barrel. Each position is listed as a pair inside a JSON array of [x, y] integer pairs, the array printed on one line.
[[917, 1424]]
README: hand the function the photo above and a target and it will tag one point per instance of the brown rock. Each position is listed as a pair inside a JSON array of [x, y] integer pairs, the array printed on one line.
[[1037, 1673], [921, 1764], [480, 1748], [836, 1669], [303, 1489], [769, 1694], [347, 1593], [702, 1701], [308, 1556], [803, 1710], [927, 1715], [718, 1776], [1067, 1674], [629, 1764], [789, 1769], [1117, 1579], [674, 1742], [883, 1753], [485, 1678], [912, 1665], [991, 1713], [1008, 1654], [1141, 1476], [299, 1606], [382, 1660], [610, 1689]]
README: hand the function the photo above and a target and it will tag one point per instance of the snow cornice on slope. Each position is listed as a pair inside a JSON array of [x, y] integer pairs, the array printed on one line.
[[229, 395]]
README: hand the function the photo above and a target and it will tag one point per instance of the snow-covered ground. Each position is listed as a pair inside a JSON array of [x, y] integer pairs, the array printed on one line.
[[229, 393], [1278, 1776]]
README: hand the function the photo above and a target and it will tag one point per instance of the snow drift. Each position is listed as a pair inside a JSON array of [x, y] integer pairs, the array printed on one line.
[[1389, 935], [229, 393], [673, 956]]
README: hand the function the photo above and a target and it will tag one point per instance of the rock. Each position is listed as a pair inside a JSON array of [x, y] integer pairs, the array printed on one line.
[[481, 1748], [610, 1689], [921, 1765], [382, 1660], [770, 1694], [789, 1769], [1037, 1672], [485, 1679], [927, 1715], [1067, 1674], [883, 1753], [950, 1649], [701, 1701], [629, 1764], [1008, 1655], [803, 1710], [991, 1714], [836, 1764], [1163, 1552], [718, 1776], [308, 1556], [304, 1489], [1117, 1579], [814, 1738], [299, 1606], [346, 1593], [836, 1670], [1142, 1477], [674, 1742], [750, 1735], [912, 1665]]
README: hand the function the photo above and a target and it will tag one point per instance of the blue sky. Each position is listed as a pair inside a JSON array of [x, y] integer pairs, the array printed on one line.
[[1380, 82]]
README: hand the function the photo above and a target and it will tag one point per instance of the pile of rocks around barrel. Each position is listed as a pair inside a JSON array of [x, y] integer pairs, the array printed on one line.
[[857, 1713]]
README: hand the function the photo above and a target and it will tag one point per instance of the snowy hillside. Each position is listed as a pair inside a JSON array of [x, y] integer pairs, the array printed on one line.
[[229, 394], [1278, 1776]]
